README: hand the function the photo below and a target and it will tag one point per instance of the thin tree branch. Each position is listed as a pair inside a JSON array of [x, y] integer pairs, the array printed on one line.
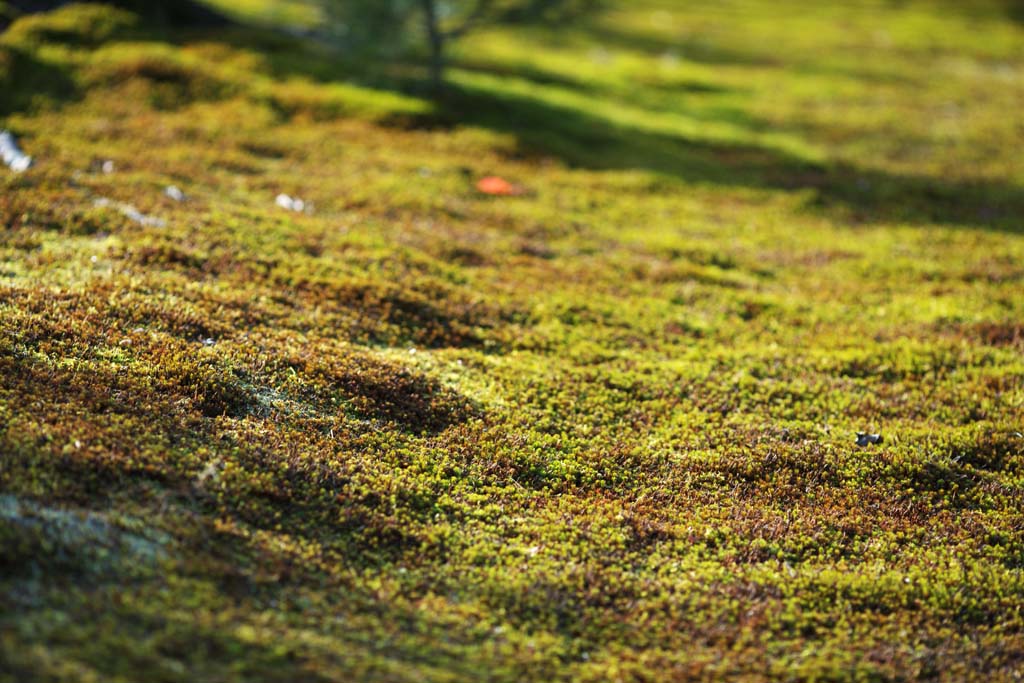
[[472, 20], [437, 41]]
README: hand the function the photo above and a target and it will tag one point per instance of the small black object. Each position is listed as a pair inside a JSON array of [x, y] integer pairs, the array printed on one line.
[[865, 439]]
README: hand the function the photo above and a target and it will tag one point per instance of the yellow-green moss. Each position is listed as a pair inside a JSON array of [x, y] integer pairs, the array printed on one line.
[[604, 430]]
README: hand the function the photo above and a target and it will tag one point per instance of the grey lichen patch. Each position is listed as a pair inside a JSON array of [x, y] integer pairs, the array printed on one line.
[[268, 401], [38, 539]]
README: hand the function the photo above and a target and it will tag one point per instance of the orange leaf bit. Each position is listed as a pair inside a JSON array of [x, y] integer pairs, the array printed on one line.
[[493, 185]]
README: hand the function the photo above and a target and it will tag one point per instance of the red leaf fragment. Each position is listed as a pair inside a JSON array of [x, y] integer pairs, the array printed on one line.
[[493, 185]]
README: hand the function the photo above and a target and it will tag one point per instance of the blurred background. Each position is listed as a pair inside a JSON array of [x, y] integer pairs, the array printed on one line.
[[908, 103]]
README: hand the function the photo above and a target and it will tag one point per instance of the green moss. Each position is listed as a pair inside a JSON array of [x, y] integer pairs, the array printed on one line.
[[85, 25], [320, 102], [603, 430], [168, 77]]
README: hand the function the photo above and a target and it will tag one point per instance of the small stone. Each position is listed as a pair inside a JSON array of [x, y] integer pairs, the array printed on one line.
[[131, 212], [291, 203], [866, 439], [141, 218], [12, 155], [108, 166], [175, 193]]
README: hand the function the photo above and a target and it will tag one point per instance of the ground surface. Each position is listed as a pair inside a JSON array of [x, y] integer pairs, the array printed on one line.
[[602, 431]]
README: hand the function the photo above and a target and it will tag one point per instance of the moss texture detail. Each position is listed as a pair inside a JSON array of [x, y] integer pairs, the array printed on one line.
[[602, 431]]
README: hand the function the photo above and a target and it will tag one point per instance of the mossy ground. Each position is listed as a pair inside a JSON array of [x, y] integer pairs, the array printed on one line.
[[600, 432]]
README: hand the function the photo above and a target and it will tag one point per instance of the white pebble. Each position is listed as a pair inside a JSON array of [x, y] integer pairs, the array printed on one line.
[[12, 155], [131, 212], [290, 203]]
